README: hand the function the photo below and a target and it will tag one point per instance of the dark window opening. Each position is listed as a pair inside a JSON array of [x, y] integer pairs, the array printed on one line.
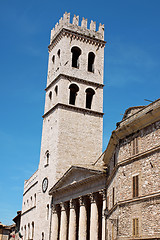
[[91, 57], [42, 235], [76, 52], [89, 96], [50, 95], [59, 53], [56, 90], [47, 156], [53, 59], [73, 93]]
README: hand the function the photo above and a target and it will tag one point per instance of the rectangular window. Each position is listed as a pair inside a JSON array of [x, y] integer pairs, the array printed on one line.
[[135, 149], [135, 226], [135, 186], [113, 196]]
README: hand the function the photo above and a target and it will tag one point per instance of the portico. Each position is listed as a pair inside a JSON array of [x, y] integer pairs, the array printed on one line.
[[78, 205]]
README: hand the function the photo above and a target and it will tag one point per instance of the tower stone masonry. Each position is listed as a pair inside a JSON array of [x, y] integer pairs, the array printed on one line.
[[73, 116]]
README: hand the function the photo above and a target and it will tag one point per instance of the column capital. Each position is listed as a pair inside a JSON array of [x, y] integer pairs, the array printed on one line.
[[102, 192], [54, 208], [63, 206], [72, 204], [82, 200], [93, 197]]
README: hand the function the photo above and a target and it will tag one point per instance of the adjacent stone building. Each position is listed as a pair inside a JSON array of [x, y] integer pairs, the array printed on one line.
[[78, 193], [133, 183]]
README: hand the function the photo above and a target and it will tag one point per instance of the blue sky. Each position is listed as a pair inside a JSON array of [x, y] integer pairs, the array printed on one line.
[[132, 74]]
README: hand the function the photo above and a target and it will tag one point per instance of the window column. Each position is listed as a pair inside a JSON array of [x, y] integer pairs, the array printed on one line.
[[63, 224], [72, 220], [82, 219], [94, 217]]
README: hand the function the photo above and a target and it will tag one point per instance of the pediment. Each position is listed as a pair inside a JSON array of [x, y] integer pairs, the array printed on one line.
[[74, 175]]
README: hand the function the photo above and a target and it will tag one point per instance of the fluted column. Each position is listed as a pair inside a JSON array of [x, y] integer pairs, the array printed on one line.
[[82, 219], [94, 217], [103, 193], [54, 228], [63, 224], [72, 220]]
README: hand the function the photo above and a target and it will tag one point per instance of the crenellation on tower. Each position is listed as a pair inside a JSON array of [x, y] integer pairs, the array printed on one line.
[[93, 26], [101, 29], [84, 23], [75, 20], [65, 23]]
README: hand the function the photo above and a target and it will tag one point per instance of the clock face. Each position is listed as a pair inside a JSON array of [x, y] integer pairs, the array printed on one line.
[[45, 184]]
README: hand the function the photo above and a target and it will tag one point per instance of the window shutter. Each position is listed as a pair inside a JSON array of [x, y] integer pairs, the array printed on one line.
[[133, 150], [135, 186], [136, 143], [136, 227], [113, 197]]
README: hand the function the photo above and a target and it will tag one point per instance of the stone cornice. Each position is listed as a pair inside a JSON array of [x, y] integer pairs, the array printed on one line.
[[30, 187], [28, 210], [133, 200], [73, 108], [129, 160], [75, 35], [74, 79], [137, 121]]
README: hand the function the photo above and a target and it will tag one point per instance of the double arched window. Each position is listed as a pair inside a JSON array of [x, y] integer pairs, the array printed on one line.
[[76, 52], [91, 58], [89, 96], [73, 93]]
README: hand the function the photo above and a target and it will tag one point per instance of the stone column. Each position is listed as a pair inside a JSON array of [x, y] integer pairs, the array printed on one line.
[[54, 227], [82, 219], [72, 220], [94, 217], [63, 224], [103, 193]]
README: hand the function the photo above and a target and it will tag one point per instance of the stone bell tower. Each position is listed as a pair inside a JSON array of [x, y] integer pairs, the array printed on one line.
[[73, 116]]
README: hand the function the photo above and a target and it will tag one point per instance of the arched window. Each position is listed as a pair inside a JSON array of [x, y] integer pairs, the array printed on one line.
[[76, 52], [89, 96], [50, 95], [73, 93], [59, 53], [56, 90], [32, 230], [47, 157], [35, 199], [91, 57], [53, 59], [42, 235]]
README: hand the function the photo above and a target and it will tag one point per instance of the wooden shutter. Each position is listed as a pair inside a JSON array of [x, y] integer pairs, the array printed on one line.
[[135, 227], [135, 186], [136, 145], [133, 150], [113, 195]]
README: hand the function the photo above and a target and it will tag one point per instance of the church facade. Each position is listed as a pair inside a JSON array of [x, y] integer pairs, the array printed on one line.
[[78, 193]]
